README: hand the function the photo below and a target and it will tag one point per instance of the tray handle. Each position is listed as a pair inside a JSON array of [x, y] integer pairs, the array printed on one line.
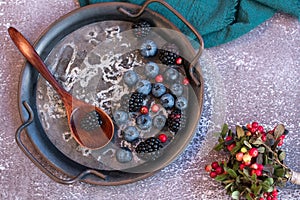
[[192, 68], [21, 145]]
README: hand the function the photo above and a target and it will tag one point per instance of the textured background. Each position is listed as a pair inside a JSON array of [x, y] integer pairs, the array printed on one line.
[[260, 72]]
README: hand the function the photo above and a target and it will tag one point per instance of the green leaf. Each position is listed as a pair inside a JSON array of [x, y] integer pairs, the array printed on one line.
[[279, 130], [269, 169], [256, 189], [240, 132], [228, 185], [280, 172], [219, 146], [282, 156], [246, 172], [248, 196], [254, 177], [270, 140], [265, 186], [258, 141], [221, 177], [261, 149], [224, 130], [237, 148], [259, 159], [236, 166], [237, 180], [235, 195], [266, 159], [247, 144], [232, 173], [270, 189], [270, 180]]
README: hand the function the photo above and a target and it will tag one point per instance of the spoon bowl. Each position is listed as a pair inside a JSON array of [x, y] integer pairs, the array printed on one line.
[[90, 126]]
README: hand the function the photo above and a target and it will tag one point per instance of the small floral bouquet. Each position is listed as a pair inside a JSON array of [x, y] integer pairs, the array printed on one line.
[[256, 163]]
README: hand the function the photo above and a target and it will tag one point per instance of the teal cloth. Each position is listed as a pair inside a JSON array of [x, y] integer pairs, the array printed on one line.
[[220, 21]]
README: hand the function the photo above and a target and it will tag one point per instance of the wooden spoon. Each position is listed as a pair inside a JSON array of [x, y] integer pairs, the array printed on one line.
[[90, 126]]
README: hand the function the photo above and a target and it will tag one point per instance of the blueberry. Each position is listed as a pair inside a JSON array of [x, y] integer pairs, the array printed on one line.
[[171, 75], [151, 70], [148, 48], [124, 155], [158, 89], [167, 101], [177, 89], [120, 117], [144, 87], [144, 122], [159, 121], [131, 133], [130, 78], [181, 103]]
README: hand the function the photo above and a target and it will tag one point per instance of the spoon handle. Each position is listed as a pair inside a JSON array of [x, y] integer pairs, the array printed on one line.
[[32, 56]]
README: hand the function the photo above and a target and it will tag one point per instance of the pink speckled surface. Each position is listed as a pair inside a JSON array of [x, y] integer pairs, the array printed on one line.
[[260, 72]]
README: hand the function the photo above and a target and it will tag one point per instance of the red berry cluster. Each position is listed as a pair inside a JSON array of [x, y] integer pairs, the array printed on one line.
[[270, 195], [247, 159], [252, 151], [258, 130], [214, 169]]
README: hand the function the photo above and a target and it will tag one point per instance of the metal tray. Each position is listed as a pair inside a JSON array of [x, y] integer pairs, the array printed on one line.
[[79, 169]]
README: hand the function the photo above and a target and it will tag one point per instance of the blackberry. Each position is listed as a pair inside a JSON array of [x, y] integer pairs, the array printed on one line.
[[91, 121], [135, 102], [174, 120], [150, 145], [141, 29], [168, 54]]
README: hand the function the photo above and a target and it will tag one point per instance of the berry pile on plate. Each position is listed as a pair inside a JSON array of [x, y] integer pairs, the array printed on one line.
[[154, 110]]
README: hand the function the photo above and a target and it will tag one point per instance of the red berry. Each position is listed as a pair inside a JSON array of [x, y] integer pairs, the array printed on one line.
[[274, 193], [281, 137], [179, 61], [242, 166], [254, 166], [228, 138], [249, 126], [258, 172], [280, 143], [269, 198], [248, 133], [247, 158], [253, 171], [231, 146], [253, 130], [185, 81], [253, 152], [260, 129], [215, 165], [260, 167], [261, 198], [163, 138], [247, 163], [264, 137], [159, 78], [155, 108], [213, 174], [144, 110], [254, 124], [219, 170], [208, 168], [239, 156]]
